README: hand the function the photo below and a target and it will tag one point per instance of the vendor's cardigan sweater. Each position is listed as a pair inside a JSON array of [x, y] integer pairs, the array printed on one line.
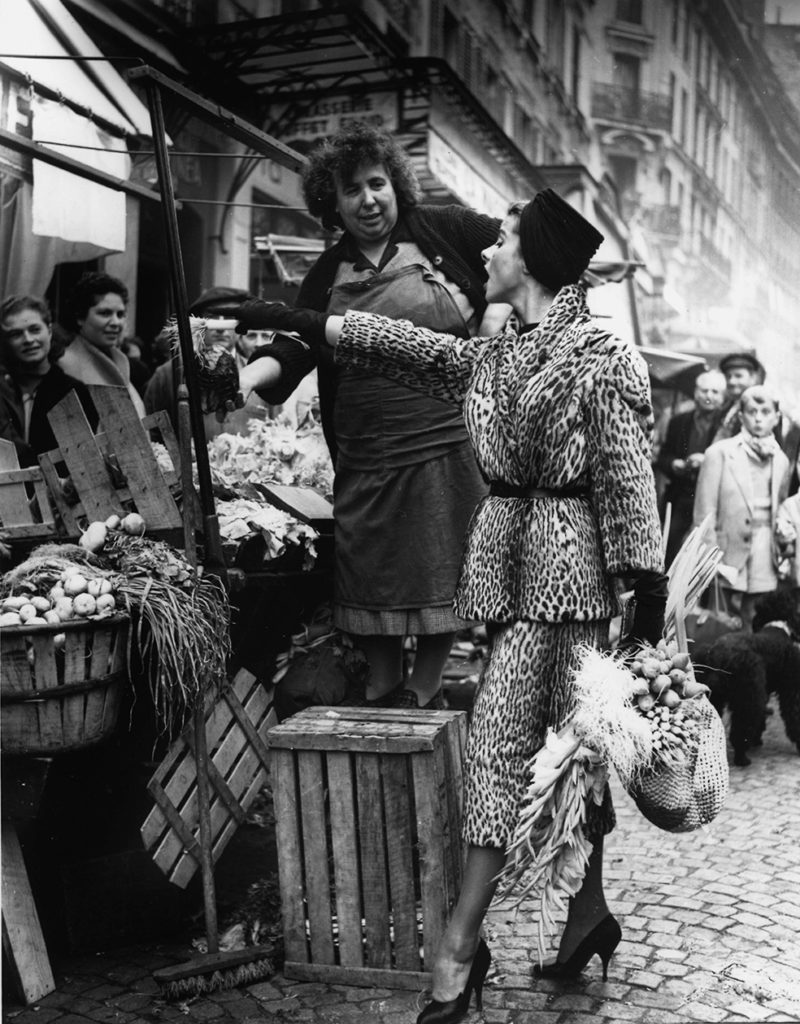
[[451, 237]]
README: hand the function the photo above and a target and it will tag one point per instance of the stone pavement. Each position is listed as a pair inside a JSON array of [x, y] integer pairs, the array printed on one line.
[[710, 926]]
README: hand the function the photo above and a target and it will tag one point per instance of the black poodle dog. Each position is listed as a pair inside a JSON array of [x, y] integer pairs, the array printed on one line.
[[743, 669]]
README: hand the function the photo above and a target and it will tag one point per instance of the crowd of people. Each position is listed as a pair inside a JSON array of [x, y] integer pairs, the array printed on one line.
[[41, 360], [493, 463], [734, 456]]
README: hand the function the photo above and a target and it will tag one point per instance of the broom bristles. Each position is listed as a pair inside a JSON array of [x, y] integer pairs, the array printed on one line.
[[215, 972]]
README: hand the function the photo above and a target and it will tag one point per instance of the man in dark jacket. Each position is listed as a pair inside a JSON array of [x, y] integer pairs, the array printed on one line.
[[688, 436], [31, 385]]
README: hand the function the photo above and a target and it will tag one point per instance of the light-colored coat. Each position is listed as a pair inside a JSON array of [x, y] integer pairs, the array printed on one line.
[[724, 489], [90, 365]]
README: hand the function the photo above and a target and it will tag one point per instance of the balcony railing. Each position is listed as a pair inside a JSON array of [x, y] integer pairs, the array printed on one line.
[[621, 103]]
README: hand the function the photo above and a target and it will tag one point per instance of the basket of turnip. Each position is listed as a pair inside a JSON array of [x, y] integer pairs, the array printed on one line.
[[63, 656]]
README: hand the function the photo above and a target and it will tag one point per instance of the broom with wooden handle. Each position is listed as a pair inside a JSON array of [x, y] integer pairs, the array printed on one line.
[[213, 970]]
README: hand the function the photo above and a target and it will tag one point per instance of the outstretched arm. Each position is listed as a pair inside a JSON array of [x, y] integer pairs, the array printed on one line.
[[440, 365]]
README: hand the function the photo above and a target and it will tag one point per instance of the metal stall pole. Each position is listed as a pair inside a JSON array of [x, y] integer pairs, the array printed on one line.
[[214, 560]]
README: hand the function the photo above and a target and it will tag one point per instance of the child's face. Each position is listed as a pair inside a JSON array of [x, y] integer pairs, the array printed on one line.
[[759, 418]]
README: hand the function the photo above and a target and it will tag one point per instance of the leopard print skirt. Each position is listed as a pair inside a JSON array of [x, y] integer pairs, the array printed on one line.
[[526, 687]]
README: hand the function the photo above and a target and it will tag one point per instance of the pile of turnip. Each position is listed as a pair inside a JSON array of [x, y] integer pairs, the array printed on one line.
[[663, 690], [74, 596], [96, 534], [80, 591]]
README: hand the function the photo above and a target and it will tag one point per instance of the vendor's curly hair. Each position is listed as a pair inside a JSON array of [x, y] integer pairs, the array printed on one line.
[[338, 157]]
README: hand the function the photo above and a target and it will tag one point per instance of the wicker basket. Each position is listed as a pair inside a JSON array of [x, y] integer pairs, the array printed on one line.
[[54, 699], [683, 797]]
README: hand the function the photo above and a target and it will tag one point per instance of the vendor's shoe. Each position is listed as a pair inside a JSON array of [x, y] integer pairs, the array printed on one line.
[[409, 699], [603, 939]]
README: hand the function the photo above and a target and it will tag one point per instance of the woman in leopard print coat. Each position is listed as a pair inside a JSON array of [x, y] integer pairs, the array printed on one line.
[[559, 415]]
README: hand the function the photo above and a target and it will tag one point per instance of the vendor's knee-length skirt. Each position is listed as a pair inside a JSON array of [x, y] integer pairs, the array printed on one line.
[[527, 686], [399, 543]]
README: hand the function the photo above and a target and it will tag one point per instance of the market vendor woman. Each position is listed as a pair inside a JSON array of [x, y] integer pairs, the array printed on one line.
[[406, 480], [559, 415]]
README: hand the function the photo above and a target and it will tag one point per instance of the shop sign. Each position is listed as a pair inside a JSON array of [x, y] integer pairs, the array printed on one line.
[[332, 113], [453, 171]]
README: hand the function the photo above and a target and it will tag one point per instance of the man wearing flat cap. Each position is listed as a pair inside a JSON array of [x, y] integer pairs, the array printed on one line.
[[215, 305], [742, 371]]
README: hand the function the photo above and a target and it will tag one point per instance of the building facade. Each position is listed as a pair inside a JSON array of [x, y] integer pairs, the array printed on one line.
[[667, 123], [695, 126]]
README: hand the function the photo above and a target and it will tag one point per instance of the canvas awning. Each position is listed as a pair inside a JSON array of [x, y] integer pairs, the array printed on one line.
[[40, 41], [72, 170], [673, 370]]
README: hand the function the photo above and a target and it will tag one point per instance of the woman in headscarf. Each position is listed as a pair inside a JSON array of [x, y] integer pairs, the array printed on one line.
[[559, 414], [406, 482]]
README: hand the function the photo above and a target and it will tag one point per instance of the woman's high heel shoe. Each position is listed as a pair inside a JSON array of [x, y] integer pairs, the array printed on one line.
[[603, 939], [456, 1009]]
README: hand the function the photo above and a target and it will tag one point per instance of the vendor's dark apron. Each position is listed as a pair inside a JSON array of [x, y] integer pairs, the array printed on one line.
[[406, 478]]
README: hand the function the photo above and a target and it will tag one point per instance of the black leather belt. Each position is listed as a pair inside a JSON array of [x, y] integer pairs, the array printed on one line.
[[498, 489]]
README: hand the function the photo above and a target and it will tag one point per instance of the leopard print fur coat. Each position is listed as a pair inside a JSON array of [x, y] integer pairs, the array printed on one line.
[[564, 406]]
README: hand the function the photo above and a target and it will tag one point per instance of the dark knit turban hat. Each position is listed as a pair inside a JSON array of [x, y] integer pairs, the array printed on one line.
[[555, 240]]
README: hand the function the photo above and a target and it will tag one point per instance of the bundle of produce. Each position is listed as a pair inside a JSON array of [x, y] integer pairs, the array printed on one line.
[[642, 714], [550, 851], [215, 366], [181, 622], [241, 519], [272, 452]]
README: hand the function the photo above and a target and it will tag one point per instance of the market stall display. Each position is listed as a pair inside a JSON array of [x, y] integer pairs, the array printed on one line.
[[272, 451]]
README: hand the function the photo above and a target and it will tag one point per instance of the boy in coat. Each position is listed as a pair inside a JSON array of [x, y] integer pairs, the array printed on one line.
[[741, 483]]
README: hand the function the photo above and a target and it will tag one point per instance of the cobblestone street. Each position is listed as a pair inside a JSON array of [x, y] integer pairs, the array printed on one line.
[[710, 933]]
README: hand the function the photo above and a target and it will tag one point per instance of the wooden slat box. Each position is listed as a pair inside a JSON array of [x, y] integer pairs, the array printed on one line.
[[368, 827]]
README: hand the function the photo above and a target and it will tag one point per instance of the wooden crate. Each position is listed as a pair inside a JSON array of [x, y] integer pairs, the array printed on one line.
[[25, 512], [54, 700], [237, 722], [368, 822], [114, 470]]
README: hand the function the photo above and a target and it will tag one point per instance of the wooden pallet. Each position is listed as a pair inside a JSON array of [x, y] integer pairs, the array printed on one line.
[[114, 470], [367, 814], [236, 730]]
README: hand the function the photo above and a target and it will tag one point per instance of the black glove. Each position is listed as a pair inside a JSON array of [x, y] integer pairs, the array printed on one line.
[[277, 316], [649, 604]]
